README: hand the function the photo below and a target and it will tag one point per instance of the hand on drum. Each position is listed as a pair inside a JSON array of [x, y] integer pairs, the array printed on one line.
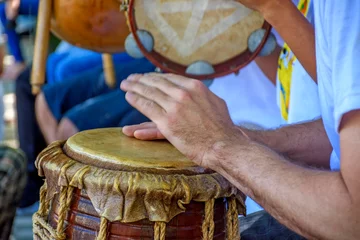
[[144, 131], [183, 111]]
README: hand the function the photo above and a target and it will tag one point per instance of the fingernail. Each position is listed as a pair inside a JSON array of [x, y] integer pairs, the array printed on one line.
[[123, 85], [129, 94], [132, 77]]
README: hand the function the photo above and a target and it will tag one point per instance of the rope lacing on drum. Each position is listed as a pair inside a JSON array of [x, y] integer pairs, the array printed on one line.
[[208, 226], [103, 229], [232, 220], [66, 193], [159, 231]]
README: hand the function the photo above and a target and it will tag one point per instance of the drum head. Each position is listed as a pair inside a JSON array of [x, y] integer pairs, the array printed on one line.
[[188, 31], [109, 148]]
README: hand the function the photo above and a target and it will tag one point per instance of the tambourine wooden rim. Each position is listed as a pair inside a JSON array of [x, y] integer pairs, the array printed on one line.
[[232, 65]]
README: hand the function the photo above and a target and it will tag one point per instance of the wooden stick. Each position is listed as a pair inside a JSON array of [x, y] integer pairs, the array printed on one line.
[[108, 66], [41, 45]]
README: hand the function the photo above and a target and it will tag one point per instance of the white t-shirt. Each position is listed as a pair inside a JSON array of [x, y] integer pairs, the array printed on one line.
[[338, 64], [251, 99], [304, 102]]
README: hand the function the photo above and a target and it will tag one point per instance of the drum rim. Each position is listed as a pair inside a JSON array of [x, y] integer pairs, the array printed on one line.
[[230, 66], [76, 154]]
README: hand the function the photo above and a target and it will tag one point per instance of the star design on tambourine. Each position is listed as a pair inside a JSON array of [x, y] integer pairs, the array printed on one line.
[[191, 40]]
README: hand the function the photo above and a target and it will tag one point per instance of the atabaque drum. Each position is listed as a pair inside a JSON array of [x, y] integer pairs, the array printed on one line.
[[101, 184], [98, 25], [202, 38]]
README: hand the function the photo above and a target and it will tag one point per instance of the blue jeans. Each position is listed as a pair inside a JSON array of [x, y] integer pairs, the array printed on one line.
[[89, 103], [27, 7], [63, 65], [262, 226]]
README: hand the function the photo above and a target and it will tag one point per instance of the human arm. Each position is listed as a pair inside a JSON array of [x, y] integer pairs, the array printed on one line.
[[315, 203], [269, 64], [304, 143], [335, 209], [292, 26]]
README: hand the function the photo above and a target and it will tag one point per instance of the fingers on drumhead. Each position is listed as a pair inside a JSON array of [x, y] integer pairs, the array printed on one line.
[[148, 134], [147, 107], [130, 130]]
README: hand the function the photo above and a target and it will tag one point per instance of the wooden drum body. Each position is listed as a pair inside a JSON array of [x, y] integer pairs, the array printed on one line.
[[103, 185], [84, 222]]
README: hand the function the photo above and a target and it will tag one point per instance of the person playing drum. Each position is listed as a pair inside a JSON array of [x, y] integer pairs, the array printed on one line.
[[276, 168]]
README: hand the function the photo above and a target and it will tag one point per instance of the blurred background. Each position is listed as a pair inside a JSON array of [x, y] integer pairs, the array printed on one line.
[[26, 29]]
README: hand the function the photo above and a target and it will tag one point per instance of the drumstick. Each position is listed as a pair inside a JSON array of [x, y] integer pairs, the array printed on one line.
[[41, 45], [109, 71]]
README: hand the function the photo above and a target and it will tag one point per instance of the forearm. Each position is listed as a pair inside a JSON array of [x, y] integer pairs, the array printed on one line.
[[305, 143], [316, 204], [296, 31], [269, 64]]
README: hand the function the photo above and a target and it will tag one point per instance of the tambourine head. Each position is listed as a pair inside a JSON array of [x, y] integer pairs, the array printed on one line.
[[96, 25], [198, 38]]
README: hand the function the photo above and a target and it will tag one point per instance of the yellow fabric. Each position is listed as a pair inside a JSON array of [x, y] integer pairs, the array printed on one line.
[[285, 69], [130, 196]]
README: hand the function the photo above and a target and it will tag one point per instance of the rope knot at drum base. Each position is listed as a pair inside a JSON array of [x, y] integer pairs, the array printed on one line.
[[42, 230]]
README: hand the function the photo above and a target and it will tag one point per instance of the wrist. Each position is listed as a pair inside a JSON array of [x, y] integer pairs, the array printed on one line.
[[273, 139], [250, 134], [225, 148]]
